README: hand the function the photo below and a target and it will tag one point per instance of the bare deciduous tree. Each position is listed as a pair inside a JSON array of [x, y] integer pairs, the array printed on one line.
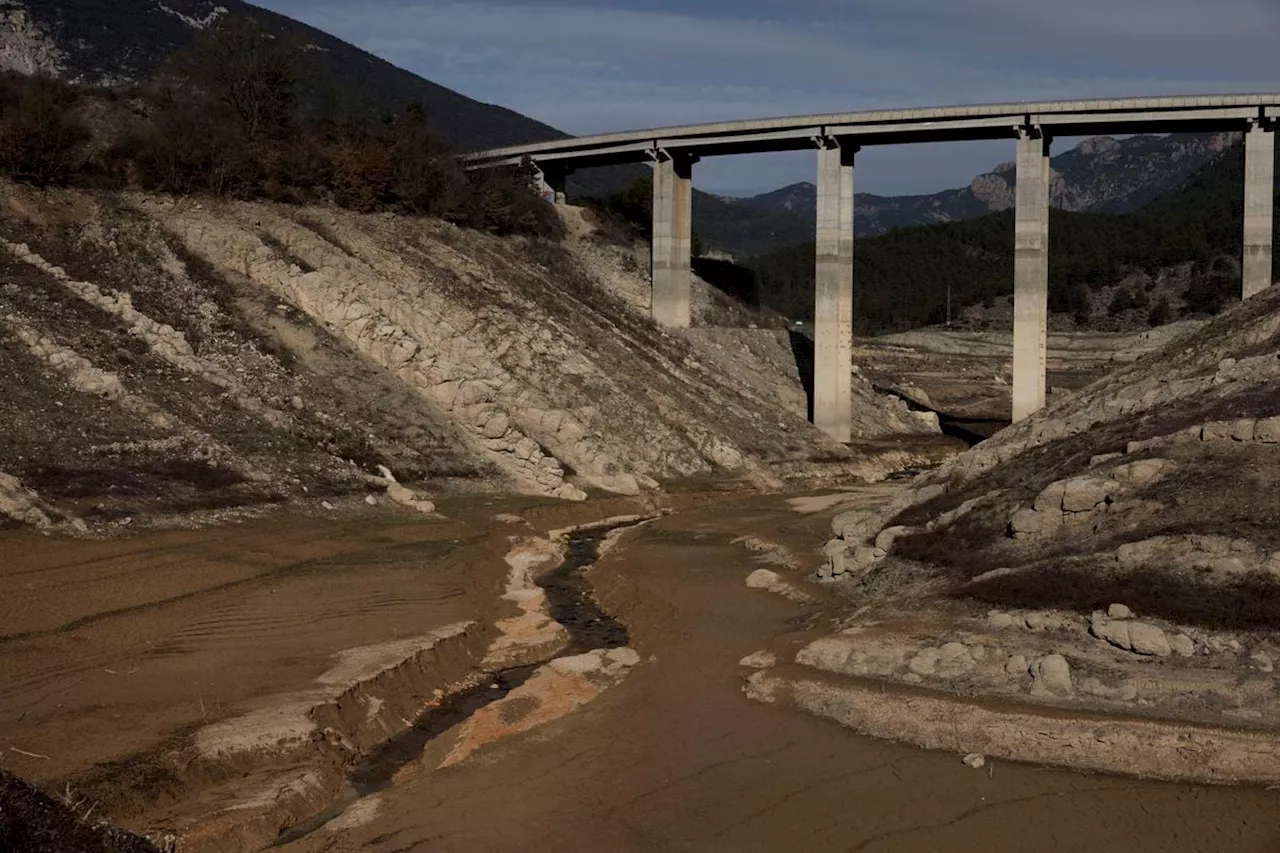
[[246, 70]]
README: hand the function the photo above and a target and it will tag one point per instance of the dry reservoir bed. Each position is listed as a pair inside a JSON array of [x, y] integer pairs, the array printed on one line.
[[115, 656]]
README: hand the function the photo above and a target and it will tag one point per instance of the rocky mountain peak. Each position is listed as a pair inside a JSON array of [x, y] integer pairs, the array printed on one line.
[[25, 46], [1099, 145]]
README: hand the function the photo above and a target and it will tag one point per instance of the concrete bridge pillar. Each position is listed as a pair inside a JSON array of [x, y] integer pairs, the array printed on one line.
[[1259, 204], [672, 237], [1031, 273], [551, 179], [833, 296]]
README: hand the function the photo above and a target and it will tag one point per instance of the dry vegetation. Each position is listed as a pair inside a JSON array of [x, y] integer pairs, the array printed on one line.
[[237, 116]]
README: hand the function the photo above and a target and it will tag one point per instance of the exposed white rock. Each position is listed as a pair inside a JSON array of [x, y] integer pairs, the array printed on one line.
[[1000, 621], [1148, 640], [1051, 675], [763, 579], [1114, 631], [762, 659], [1182, 645]]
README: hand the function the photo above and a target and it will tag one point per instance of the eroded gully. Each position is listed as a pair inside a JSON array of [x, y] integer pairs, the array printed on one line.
[[569, 602], [676, 759]]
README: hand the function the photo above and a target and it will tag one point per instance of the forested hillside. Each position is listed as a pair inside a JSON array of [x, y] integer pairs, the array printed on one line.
[[229, 117], [125, 42], [1100, 175], [902, 278]]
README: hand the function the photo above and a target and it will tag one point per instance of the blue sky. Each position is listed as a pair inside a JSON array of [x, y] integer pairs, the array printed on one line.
[[587, 67]]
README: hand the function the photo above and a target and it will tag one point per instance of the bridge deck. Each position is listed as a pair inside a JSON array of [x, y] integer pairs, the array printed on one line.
[[879, 127]]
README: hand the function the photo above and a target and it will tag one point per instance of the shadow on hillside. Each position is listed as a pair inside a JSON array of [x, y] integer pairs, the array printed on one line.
[[737, 283], [969, 430], [802, 350], [1248, 602]]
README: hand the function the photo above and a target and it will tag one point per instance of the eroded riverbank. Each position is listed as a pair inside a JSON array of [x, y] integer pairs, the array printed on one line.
[[674, 758], [663, 754]]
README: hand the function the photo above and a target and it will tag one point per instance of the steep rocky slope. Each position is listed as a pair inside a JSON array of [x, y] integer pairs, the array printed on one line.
[[1116, 553], [182, 356]]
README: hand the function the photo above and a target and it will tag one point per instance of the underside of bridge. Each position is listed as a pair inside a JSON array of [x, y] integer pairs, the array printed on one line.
[[837, 139]]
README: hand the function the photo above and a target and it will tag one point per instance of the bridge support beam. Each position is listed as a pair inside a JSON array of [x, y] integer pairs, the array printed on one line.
[[672, 237], [1259, 204], [1031, 274], [551, 179], [833, 296]]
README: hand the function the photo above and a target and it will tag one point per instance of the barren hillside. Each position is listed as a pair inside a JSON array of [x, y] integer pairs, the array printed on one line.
[[1117, 554], [172, 356]]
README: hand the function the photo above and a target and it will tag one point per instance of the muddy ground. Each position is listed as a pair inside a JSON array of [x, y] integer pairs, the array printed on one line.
[[118, 655]]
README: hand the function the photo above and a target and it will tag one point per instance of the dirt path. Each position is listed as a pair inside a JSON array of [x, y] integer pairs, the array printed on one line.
[[677, 759]]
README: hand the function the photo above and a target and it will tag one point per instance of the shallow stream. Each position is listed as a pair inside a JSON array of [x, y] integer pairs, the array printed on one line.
[[569, 602]]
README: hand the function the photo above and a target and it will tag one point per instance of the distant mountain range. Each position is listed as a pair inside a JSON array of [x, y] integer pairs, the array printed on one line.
[[120, 42], [1100, 175]]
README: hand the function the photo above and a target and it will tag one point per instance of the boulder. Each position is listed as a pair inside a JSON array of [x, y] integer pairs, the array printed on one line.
[[1243, 430], [406, 497], [999, 621], [1017, 666], [1133, 554], [763, 579], [1083, 494], [1267, 430], [925, 662], [866, 555], [1142, 472], [928, 493], [1114, 631], [1028, 522], [885, 538], [1148, 640], [1217, 430], [625, 656], [838, 559], [1182, 645], [954, 659], [496, 426], [1119, 611], [856, 525], [831, 654], [1051, 675], [1228, 566], [759, 660], [1036, 621], [1050, 498]]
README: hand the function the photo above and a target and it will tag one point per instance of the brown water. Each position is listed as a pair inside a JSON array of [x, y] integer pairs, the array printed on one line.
[[569, 601], [677, 759]]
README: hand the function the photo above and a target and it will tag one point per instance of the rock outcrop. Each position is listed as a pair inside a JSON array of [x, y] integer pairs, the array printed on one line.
[[220, 355], [1116, 551]]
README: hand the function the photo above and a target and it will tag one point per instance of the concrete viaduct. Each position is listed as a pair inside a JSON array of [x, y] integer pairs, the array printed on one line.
[[837, 138]]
